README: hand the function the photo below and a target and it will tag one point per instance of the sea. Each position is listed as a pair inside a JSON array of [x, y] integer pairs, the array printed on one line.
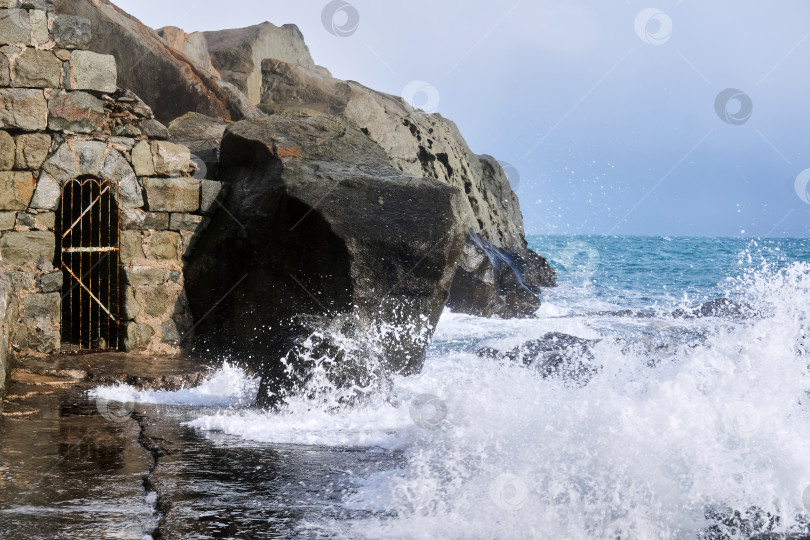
[[691, 425]]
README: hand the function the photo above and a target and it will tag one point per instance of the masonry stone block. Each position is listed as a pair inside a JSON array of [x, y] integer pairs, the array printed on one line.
[[37, 69], [31, 150], [19, 248], [23, 108], [172, 194], [75, 111], [92, 71], [16, 190]]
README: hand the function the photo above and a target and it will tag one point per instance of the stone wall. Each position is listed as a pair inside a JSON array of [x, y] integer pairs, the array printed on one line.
[[5, 324], [62, 117]]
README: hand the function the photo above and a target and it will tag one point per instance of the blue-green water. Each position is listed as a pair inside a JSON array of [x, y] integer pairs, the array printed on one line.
[[637, 272]]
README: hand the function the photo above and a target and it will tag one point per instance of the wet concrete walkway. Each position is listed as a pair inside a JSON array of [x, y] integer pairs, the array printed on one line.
[[72, 466]]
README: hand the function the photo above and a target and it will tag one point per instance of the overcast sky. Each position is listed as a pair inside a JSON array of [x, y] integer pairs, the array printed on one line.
[[608, 110]]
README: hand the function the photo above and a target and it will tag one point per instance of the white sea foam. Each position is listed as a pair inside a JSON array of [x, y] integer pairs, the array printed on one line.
[[228, 386], [640, 452]]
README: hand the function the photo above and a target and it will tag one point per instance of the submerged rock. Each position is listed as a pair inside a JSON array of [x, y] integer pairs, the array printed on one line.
[[720, 307], [322, 241], [555, 355]]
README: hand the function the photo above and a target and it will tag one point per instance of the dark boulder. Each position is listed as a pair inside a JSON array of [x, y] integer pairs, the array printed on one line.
[[492, 281], [321, 247], [555, 355]]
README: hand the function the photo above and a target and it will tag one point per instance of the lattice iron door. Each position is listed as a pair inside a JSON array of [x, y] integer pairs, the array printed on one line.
[[89, 257]]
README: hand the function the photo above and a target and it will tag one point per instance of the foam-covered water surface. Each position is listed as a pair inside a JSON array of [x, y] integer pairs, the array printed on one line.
[[685, 422]]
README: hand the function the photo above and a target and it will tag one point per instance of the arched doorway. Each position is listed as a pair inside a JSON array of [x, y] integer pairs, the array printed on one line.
[[88, 254]]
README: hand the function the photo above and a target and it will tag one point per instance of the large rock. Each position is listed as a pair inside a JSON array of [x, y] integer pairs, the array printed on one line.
[[492, 281], [323, 239], [166, 79], [416, 142], [238, 54], [429, 145]]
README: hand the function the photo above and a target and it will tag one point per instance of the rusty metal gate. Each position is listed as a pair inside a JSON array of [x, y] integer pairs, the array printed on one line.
[[89, 257]]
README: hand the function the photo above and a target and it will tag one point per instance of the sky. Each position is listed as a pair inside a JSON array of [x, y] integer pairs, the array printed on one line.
[[680, 118]]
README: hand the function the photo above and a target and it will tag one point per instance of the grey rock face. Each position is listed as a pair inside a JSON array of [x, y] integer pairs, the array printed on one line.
[[417, 143], [238, 54], [429, 145], [329, 232]]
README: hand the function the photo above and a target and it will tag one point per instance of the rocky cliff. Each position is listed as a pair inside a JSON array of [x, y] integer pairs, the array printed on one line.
[[224, 74], [168, 80], [343, 220]]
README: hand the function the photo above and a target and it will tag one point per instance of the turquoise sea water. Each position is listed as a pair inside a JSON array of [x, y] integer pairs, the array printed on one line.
[[638, 272]]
